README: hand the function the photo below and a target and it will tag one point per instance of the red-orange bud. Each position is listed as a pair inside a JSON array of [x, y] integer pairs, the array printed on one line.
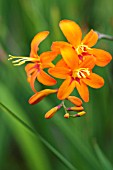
[[66, 115], [37, 97], [51, 112], [75, 100]]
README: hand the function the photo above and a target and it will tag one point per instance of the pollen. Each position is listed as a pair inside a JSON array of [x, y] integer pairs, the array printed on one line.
[[81, 73]]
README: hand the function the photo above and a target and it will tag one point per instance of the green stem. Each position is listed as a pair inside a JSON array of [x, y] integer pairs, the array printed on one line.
[[63, 105]]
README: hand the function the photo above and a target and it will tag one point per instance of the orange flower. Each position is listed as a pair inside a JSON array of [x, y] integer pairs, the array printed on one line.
[[73, 34], [75, 74], [35, 69]]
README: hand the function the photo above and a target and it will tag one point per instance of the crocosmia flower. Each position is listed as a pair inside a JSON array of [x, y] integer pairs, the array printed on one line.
[[76, 75], [75, 66], [35, 69], [73, 34]]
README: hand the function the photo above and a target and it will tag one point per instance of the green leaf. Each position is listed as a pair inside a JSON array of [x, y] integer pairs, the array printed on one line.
[[106, 164], [34, 132]]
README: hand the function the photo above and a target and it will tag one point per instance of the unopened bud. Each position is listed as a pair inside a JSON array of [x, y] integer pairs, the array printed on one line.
[[66, 115], [37, 97], [80, 108], [75, 100], [80, 114], [51, 112]]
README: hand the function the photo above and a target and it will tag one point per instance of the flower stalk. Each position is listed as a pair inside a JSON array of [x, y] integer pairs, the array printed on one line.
[[104, 36]]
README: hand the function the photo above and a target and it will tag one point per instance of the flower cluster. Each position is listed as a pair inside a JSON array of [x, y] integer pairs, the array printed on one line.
[[78, 59]]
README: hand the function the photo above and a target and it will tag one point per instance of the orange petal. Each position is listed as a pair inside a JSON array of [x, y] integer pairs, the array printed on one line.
[[94, 81], [32, 79], [51, 112], [57, 45], [61, 63], [30, 68], [31, 74], [70, 57], [59, 72], [72, 31], [75, 100], [90, 39], [83, 90], [47, 65], [36, 41], [45, 79], [89, 62], [47, 57], [102, 57], [37, 97], [66, 88]]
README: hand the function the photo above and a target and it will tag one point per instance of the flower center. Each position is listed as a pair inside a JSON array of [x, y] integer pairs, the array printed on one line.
[[81, 73], [82, 49], [19, 60]]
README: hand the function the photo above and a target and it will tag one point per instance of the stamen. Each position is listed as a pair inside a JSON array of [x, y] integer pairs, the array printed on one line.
[[21, 59], [81, 73], [82, 48]]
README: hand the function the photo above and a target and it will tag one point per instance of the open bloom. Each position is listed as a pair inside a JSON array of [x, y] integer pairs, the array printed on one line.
[[73, 34], [75, 74], [38, 63]]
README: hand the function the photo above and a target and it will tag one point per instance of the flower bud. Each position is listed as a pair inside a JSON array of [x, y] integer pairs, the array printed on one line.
[[75, 100], [51, 112], [75, 108], [37, 97], [66, 115], [80, 114]]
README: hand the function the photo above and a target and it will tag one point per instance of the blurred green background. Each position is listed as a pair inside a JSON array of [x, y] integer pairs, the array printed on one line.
[[85, 143]]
